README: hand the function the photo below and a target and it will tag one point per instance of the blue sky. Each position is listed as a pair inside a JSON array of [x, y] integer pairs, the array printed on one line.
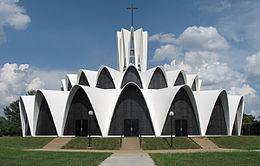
[[41, 41]]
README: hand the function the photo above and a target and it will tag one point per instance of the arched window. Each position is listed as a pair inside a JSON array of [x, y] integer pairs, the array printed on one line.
[[158, 80], [45, 123], [78, 119], [83, 80], [131, 112], [184, 121], [131, 75], [217, 122], [179, 80], [105, 80], [69, 86]]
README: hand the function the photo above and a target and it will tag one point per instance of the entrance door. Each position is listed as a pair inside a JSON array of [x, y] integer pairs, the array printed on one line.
[[181, 128], [131, 127], [81, 127]]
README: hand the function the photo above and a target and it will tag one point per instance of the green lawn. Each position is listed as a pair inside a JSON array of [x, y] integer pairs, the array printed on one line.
[[96, 143], [11, 153], [157, 143], [237, 142], [212, 159]]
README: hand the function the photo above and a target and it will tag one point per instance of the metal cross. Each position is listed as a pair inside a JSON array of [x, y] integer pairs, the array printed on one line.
[[132, 15]]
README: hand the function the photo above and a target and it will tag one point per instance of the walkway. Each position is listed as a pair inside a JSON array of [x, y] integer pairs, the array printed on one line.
[[57, 143], [204, 142]]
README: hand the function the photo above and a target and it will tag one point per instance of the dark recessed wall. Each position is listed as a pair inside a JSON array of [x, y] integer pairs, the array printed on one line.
[[217, 122], [83, 80], [193, 87], [131, 75], [78, 110], [131, 105], [158, 80], [105, 80], [179, 80], [183, 110], [45, 124]]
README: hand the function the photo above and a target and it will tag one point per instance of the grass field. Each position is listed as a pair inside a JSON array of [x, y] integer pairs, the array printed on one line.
[[11, 153], [164, 143], [237, 142], [212, 159], [96, 143]]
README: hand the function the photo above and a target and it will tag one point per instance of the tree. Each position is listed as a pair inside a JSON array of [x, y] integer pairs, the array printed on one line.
[[248, 118], [11, 123]]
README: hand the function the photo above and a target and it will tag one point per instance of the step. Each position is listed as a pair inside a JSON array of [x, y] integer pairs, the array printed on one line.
[[57, 143], [130, 143], [205, 143]]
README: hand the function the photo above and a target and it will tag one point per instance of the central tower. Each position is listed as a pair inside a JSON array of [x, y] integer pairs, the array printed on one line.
[[132, 47]]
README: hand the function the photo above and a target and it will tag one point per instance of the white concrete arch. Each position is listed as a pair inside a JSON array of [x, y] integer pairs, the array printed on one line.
[[205, 109], [119, 93], [236, 109], [116, 75], [70, 79], [96, 96], [191, 78], [28, 103], [148, 75], [173, 75], [139, 75], [56, 101], [90, 76]]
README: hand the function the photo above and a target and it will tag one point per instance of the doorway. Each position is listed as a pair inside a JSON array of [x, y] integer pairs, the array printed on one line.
[[81, 128], [131, 127], [181, 128]]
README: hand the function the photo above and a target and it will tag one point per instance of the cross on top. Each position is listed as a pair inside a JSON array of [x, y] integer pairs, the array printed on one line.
[[132, 15]]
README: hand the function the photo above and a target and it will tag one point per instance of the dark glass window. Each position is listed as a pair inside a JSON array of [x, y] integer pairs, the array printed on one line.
[[78, 111], [179, 80], [131, 106], [45, 123], [83, 80], [183, 111], [131, 75], [158, 80], [105, 80], [217, 122]]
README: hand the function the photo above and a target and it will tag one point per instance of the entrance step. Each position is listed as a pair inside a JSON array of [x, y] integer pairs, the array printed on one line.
[[205, 143], [57, 143], [130, 143]]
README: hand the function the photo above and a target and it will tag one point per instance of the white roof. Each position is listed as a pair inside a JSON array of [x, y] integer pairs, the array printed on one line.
[[206, 101], [173, 75], [28, 102], [89, 74], [190, 79]]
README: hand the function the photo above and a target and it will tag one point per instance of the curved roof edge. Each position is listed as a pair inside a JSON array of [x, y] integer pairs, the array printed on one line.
[[28, 102], [173, 75], [148, 75], [128, 67], [190, 80], [56, 101], [72, 78], [205, 109], [89, 74], [116, 76]]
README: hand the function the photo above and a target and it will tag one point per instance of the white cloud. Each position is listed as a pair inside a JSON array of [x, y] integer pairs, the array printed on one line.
[[163, 37], [253, 66], [12, 15], [250, 94], [202, 38], [16, 80], [166, 52]]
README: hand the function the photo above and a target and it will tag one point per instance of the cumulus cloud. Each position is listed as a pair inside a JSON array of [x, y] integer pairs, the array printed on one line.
[[166, 52], [12, 15], [16, 80], [202, 38], [248, 92], [253, 66], [163, 38], [199, 50]]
